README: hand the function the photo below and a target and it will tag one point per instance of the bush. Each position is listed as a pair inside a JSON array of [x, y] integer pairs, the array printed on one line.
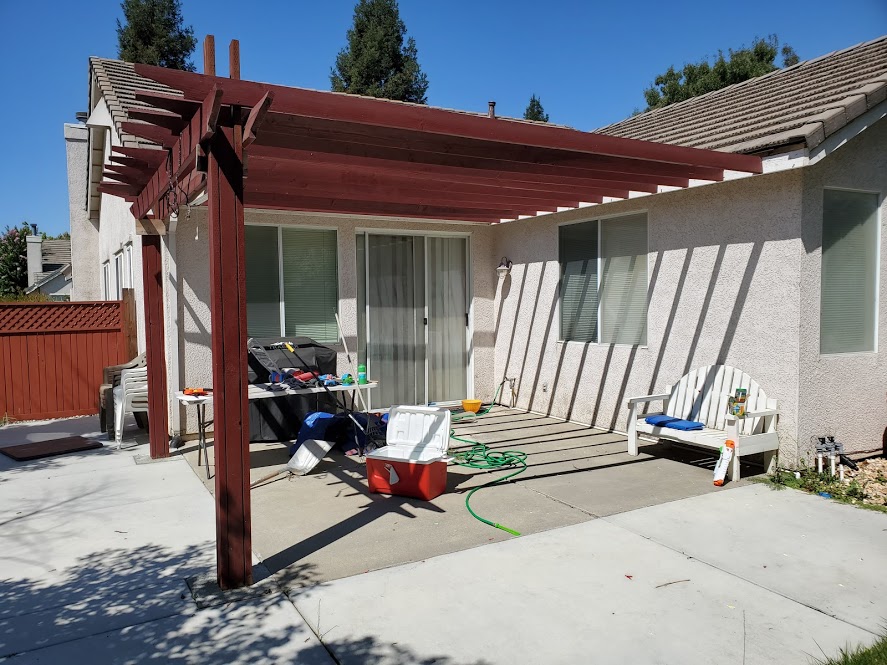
[[14, 260]]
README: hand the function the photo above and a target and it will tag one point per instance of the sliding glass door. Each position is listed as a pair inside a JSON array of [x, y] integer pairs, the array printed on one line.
[[413, 317]]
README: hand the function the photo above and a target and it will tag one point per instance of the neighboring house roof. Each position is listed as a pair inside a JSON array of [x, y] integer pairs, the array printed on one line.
[[43, 278], [56, 252], [118, 83], [796, 107]]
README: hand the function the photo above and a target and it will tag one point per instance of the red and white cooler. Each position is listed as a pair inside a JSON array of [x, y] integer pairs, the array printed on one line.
[[412, 463]]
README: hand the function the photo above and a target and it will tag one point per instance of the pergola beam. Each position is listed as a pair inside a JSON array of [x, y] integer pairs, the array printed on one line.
[[564, 184], [381, 113]]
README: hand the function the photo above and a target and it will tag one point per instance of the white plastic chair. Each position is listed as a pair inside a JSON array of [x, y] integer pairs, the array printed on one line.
[[130, 396]]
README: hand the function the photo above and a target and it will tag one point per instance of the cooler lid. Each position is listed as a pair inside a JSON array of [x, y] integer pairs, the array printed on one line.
[[424, 431]]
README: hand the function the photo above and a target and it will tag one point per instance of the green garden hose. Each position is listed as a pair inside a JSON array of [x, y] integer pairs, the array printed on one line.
[[479, 456]]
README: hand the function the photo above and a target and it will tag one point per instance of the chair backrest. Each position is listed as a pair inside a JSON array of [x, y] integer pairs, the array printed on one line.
[[135, 379], [702, 396]]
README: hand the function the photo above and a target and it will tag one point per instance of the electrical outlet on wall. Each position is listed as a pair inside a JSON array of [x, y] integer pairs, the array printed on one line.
[[545, 387]]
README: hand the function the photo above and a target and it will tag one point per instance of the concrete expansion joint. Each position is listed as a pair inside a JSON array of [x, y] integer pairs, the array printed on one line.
[[744, 579], [560, 501]]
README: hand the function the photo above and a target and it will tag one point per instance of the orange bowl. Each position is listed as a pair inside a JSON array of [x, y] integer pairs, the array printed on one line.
[[471, 405]]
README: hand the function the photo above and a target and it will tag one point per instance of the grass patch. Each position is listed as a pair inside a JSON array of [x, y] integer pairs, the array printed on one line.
[[850, 492], [873, 655]]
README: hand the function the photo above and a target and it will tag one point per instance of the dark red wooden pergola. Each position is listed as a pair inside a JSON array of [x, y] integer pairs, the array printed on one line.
[[257, 145]]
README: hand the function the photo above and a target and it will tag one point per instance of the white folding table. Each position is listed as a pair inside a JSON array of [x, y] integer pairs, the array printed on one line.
[[260, 391]]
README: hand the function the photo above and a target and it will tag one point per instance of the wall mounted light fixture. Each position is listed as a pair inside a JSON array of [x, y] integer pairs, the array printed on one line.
[[504, 267]]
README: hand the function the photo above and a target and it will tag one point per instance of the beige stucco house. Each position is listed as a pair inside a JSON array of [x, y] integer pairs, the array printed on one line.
[[779, 274]]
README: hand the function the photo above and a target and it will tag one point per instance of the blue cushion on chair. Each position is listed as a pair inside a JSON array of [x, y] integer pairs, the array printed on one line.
[[660, 420], [685, 425]]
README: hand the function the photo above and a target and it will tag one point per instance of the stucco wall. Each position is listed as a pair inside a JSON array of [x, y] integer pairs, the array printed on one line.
[[86, 278], [843, 395], [194, 309], [117, 229], [723, 268]]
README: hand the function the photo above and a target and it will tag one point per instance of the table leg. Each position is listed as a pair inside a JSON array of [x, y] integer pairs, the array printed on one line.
[[201, 424]]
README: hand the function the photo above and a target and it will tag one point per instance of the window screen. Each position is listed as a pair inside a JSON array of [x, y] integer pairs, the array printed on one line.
[[623, 296], [849, 272], [579, 281], [310, 283], [262, 281]]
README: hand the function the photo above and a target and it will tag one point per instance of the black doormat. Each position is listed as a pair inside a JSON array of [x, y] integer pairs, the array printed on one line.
[[29, 451]]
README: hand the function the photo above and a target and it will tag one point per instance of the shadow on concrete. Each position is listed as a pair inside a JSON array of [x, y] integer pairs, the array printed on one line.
[[121, 605]]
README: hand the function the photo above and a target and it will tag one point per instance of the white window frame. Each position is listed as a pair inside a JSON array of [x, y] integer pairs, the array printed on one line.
[[106, 280], [127, 266], [118, 275], [600, 267]]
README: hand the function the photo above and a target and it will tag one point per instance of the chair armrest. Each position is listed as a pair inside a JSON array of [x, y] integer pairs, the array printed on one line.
[[109, 374], [648, 398], [761, 414]]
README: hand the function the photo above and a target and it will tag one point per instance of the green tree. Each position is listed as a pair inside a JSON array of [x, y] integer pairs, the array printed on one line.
[[702, 77], [14, 260], [154, 34], [375, 62], [535, 111]]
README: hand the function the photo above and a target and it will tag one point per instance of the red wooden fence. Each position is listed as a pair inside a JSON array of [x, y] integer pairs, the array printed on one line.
[[52, 355]]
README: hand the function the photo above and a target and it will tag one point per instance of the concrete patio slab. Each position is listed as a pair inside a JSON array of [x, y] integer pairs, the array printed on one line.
[[327, 525], [829, 556], [592, 592], [94, 555]]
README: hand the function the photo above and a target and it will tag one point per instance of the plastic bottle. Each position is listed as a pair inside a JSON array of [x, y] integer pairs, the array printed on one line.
[[362, 374]]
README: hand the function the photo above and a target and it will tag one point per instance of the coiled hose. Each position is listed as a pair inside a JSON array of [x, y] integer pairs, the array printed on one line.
[[479, 456]]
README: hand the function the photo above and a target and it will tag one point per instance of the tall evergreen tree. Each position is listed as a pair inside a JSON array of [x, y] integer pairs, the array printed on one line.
[[154, 34], [702, 77], [535, 111], [375, 62]]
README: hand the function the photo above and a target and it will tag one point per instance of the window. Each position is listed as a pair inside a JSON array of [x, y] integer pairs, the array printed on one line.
[[301, 266], [848, 300], [106, 280], [118, 275], [127, 268], [604, 281]]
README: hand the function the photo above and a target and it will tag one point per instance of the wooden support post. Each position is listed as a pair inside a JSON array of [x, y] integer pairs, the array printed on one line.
[[234, 60], [155, 346], [209, 55], [230, 405]]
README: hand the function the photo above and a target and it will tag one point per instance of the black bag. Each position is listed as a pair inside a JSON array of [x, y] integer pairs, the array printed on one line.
[[280, 418]]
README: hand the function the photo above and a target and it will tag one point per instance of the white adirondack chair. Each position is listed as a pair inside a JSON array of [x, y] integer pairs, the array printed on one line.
[[702, 396], [130, 396]]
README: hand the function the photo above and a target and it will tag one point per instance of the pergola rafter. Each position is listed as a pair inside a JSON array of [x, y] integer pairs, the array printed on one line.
[[249, 144]]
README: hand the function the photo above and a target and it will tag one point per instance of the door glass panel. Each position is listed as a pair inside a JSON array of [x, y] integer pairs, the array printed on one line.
[[447, 308], [395, 339]]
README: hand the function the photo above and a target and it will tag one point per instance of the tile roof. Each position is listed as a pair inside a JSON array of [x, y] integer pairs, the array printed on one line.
[[56, 252], [118, 82], [804, 103]]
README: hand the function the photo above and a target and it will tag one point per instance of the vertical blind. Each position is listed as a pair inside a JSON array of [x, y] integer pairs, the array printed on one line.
[[579, 281], [624, 280], [310, 282], [262, 281], [604, 281], [849, 272]]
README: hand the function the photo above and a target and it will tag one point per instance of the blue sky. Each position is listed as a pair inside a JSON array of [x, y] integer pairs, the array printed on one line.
[[588, 61]]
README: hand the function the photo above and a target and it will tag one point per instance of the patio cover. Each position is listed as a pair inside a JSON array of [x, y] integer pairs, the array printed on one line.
[[269, 146]]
